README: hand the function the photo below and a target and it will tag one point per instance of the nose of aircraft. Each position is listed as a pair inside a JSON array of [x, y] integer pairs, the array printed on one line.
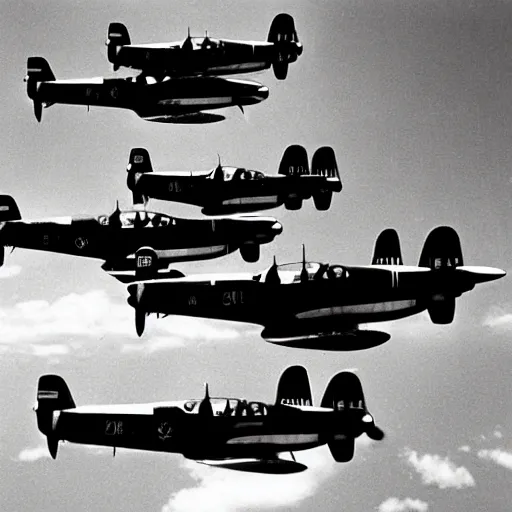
[[277, 228]]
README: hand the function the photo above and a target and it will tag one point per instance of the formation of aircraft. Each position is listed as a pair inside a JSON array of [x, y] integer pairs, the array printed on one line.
[[226, 189], [117, 237], [206, 55], [319, 305], [223, 432], [164, 100]]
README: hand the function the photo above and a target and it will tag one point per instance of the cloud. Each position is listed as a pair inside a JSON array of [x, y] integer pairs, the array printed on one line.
[[499, 319], [466, 448], [435, 470], [33, 454], [8, 271], [497, 434], [34, 326], [405, 505], [498, 456], [223, 490]]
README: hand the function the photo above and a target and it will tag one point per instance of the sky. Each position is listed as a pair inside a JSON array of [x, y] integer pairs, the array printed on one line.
[[416, 99]]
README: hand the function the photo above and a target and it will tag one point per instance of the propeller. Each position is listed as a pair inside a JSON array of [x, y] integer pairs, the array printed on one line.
[[272, 276], [205, 409], [304, 276]]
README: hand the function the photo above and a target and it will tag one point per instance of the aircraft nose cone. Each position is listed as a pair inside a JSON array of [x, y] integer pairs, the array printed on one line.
[[263, 92], [277, 228]]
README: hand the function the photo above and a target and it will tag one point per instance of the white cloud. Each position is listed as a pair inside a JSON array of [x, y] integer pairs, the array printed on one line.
[[435, 470], [499, 319], [466, 448], [223, 490], [8, 271], [405, 505], [497, 434], [33, 326], [500, 457], [33, 454]]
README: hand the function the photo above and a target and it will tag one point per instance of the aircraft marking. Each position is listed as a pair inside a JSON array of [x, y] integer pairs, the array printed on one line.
[[113, 428], [81, 242], [165, 431], [232, 298]]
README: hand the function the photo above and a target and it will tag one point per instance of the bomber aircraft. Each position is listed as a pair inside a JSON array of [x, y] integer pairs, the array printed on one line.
[[117, 237], [320, 305], [224, 432], [162, 99], [226, 189], [206, 55]]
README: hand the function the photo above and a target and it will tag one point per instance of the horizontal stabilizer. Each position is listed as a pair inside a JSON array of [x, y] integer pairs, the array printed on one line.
[[294, 388], [442, 249], [294, 161], [387, 249], [8, 209], [482, 274], [269, 466], [324, 163]]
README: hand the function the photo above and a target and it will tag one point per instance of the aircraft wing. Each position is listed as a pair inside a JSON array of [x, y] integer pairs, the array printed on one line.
[[274, 466], [339, 339]]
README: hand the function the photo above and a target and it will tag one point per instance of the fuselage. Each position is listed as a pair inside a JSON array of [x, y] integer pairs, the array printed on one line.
[[229, 189], [198, 56], [342, 297], [116, 237], [236, 429], [150, 97]]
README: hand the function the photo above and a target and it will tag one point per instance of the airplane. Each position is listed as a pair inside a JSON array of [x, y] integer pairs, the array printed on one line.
[[207, 56], [226, 189], [319, 305], [162, 100], [116, 238], [228, 433]]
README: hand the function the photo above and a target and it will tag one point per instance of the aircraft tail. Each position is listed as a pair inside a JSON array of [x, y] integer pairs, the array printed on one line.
[[442, 249], [283, 34], [324, 163], [387, 249], [442, 253], [294, 161], [344, 394], [293, 387], [117, 37], [138, 164], [38, 70], [53, 395]]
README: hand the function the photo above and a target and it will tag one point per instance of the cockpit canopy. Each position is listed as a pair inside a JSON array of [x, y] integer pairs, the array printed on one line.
[[136, 218], [201, 43], [236, 173], [228, 407], [291, 272]]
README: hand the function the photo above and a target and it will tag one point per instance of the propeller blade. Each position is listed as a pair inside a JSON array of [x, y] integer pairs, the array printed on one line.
[[140, 320], [53, 445], [375, 433], [38, 110]]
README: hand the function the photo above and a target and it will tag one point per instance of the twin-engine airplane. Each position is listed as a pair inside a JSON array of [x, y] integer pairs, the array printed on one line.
[[158, 99], [317, 305], [223, 432], [117, 237], [226, 189], [205, 55]]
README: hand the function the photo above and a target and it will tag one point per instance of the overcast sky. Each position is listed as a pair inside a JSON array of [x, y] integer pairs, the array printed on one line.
[[416, 99]]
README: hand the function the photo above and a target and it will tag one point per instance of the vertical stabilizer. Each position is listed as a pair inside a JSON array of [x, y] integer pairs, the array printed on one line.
[[387, 249], [294, 388]]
